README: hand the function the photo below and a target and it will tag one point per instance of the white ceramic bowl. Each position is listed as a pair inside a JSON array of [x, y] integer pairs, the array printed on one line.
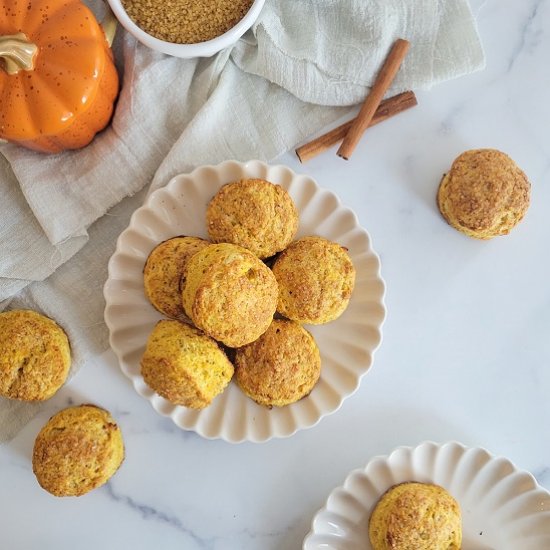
[[347, 344], [202, 49], [503, 507]]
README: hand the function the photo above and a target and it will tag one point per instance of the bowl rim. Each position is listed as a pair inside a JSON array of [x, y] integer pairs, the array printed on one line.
[[199, 49]]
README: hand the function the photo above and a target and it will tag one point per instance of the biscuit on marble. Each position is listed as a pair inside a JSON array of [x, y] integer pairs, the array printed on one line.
[[484, 194], [78, 450]]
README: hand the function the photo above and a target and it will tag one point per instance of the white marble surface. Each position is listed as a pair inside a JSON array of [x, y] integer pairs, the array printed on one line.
[[465, 356]]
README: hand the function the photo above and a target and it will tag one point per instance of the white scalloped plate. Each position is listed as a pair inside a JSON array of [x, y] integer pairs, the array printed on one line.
[[503, 508], [346, 345]]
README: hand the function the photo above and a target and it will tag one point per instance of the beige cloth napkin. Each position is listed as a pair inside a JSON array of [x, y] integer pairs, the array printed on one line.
[[301, 67]]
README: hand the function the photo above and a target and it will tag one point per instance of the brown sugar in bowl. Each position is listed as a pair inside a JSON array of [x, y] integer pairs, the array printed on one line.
[[200, 29]]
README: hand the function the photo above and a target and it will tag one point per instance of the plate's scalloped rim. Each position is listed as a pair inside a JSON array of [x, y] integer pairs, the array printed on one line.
[[248, 166], [344, 487]]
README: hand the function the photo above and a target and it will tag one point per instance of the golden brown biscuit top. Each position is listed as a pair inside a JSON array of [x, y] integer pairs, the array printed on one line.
[[78, 449], [230, 294], [184, 365], [255, 214], [316, 278], [482, 185], [422, 516], [34, 355], [165, 272], [280, 367]]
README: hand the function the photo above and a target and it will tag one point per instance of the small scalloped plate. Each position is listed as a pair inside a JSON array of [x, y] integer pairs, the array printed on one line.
[[503, 508], [347, 344]]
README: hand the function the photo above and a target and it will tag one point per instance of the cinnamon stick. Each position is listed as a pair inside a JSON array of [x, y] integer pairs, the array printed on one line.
[[387, 108], [382, 83]]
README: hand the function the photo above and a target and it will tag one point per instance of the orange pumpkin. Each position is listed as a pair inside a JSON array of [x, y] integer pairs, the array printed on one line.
[[58, 81]]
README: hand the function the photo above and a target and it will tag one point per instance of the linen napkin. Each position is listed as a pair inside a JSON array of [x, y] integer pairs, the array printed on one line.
[[301, 67]]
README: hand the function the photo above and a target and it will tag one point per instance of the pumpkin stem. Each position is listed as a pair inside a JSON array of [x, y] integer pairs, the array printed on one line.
[[17, 52], [109, 25]]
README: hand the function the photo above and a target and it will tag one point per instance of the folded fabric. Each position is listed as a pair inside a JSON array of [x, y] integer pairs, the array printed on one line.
[[73, 296], [301, 67], [328, 53]]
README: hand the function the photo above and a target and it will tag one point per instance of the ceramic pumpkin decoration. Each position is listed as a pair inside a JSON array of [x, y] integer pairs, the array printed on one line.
[[58, 81]]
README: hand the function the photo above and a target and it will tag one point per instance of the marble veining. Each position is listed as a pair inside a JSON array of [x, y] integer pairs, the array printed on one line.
[[149, 513], [531, 34], [543, 476]]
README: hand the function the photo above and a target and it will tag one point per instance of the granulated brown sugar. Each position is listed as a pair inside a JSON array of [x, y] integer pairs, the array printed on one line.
[[186, 21]]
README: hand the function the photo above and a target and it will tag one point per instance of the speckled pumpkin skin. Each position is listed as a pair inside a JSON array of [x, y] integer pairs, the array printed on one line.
[[68, 97]]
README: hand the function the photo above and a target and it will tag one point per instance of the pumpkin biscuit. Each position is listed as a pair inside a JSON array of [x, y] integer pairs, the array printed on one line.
[[78, 450], [35, 356], [230, 294], [165, 272], [417, 516], [484, 195], [185, 366], [316, 278], [255, 214], [281, 367]]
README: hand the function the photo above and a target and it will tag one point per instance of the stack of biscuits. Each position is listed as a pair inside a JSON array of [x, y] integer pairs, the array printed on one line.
[[245, 293]]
